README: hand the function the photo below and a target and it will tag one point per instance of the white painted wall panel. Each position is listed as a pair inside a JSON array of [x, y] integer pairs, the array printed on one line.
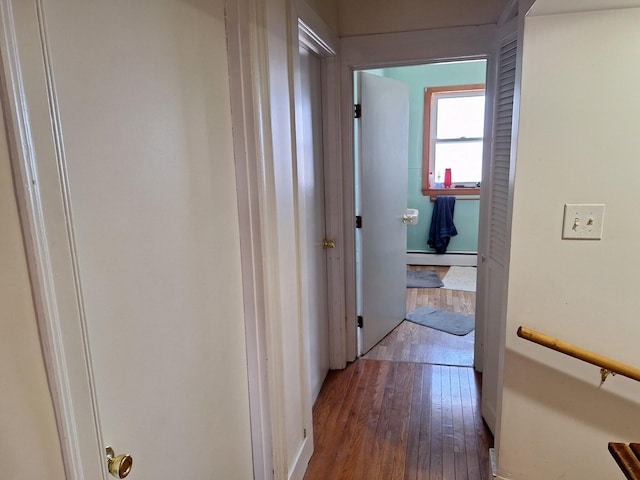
[[327, 10], [578, 143], [364, 17]]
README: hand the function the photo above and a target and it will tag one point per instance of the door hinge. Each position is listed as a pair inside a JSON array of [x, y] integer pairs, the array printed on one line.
[[360, 321], [358, 221], [357, 110]]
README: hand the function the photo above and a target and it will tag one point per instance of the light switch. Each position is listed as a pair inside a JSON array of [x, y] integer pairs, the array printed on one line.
[[583, 221]]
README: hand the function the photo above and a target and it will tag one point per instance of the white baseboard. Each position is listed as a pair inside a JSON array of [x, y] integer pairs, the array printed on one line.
[[493, 466], [447, 259], [302, 459]]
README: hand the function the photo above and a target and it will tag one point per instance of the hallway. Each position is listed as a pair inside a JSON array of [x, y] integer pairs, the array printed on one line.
[[401, 412]]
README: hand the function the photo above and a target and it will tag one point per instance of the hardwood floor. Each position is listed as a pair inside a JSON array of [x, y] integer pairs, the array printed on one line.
[[409, 409], [410, 342], [399, 420], [453, 300]]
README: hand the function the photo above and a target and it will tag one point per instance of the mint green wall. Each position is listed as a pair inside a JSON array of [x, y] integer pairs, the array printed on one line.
[[467, 212]]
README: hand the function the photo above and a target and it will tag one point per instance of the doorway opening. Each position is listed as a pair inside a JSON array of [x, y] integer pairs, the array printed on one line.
[[415, 342], [455, 151]]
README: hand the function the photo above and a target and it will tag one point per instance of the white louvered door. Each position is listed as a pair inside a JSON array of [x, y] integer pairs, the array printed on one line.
[[494, 241]]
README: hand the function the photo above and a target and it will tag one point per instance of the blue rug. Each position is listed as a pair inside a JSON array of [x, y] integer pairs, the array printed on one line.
[[449, 322], [423, 279]]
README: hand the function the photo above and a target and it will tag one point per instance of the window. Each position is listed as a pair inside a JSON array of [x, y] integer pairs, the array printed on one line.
[[453, 139]]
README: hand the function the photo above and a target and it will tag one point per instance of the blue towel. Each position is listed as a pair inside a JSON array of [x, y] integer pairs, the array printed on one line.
[[442, 227]]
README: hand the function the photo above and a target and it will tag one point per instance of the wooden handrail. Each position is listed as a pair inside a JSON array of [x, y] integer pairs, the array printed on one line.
[[628, 458], [606, 363]]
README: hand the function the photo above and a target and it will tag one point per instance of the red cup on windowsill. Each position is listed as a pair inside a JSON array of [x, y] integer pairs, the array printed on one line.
[[447, 178]]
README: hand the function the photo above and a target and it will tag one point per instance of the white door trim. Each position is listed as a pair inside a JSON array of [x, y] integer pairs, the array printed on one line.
[[253, 59], [249, 152], [251, 62], [387, 50], [35, 142]]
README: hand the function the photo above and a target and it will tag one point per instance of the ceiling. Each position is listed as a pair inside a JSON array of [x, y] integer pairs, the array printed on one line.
[[554, 7]]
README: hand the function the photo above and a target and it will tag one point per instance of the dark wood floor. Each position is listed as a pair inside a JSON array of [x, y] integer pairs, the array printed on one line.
[[400, 413], [399, 420]]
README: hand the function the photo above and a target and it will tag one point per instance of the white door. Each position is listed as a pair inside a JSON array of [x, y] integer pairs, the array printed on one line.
[[139, 100], [383, 167], [494, 242], [312, 217]]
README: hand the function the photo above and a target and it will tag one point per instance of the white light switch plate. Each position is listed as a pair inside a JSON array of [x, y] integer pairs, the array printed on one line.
[[583, 221]]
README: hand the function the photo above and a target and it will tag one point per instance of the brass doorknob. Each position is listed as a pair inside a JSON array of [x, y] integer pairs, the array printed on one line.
[[328, 243], [119, 466]]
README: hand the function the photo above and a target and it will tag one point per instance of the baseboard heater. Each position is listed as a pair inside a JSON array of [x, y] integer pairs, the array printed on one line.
[[461, 259]]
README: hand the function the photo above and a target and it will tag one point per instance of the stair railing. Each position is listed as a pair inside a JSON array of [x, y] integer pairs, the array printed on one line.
[[607, 365], [627, 456]]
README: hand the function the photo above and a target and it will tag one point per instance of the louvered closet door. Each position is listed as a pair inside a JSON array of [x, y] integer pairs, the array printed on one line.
[[499, 228], [494, 251]]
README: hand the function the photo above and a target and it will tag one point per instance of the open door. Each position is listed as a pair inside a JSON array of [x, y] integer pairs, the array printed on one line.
[[495, 221], [383, 141]]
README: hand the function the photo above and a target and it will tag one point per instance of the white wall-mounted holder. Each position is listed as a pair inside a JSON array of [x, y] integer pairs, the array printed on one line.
[[410, 217]]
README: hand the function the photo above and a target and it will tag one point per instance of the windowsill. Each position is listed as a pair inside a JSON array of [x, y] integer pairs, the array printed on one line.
[[436, 192]]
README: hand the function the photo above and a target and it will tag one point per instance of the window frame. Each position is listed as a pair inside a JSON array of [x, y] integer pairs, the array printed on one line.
[[430, 94]]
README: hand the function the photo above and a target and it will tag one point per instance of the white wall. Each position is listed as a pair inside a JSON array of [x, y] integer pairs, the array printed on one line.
[[578, 143], [327, 10], [363, 17], [29, 446]]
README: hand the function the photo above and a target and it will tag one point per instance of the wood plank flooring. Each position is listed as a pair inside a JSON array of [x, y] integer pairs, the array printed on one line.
[[399, 420], [410, 342], [407, 410], [453, 300]]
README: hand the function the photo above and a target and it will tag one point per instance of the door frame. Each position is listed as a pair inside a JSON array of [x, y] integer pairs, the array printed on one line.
[[251, 154], [317, 36], [325, 51], [40, 177], [393, 50], [255, 60]]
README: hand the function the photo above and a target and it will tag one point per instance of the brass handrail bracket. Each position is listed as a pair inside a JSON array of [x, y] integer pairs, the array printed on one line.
[[604, 373]]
